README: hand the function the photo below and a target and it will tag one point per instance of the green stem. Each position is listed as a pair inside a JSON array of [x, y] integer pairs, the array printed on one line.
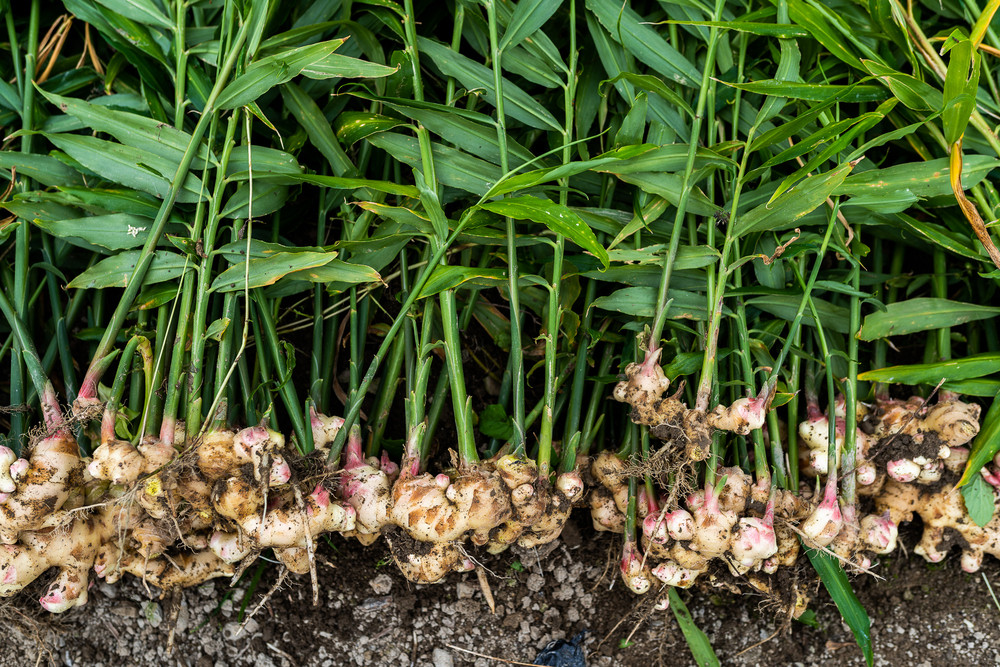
[[516, 352], [847, 477], [289, 396], [88, 390], [180, 73], [21, 263], [662, 305], [199, 325]]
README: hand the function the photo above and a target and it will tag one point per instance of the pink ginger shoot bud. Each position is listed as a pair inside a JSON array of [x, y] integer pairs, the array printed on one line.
[[646, 381], [7, 459], [673, 574], [879, 533], [930, 472], [650, 377], [823, 525], [353, 456], [19, 469], [388, 466], [654, 527], [754, 538], [903, 470], [972, 560], [227, 547], [680, 525], [990, 477], [443, 481], [320, 496], [695, 501], [634, 572], [820, 461], [411, 451], [281, 472], [866, 473], [570, 484]]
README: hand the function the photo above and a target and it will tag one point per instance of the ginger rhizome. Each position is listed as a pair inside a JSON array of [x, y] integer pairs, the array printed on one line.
[[176, 514], [668, 418]]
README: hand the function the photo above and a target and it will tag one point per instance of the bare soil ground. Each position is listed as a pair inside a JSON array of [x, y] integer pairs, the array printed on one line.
[[922, 615]]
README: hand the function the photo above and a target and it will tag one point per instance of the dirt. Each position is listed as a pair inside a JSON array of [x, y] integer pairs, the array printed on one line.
[[369, 615]]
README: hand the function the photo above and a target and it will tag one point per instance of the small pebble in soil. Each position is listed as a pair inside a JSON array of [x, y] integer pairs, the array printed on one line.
[[442, 658], [153, 613], [466, 589], [381, 584], [535, 583]]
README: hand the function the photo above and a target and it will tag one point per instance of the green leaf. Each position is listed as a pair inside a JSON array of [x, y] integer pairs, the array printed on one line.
[[655, 85], [834, 318], [143, 11], [337, 65], [960, 86], [792, 204], [145, 134], [630, 30], [45, 169], [670, 186], [557, 217], [268, 270], [985, 445], [216, 329], [980, 501], [537, 177], [922, 314], [911, 91], [669, 158], [822, 31], [453, 277], [268, 197], [353, 126], [453, 167], [923, 179], [340, 183], [814, 92], [529, 16], [472, 132], [517, 104], [115, 271], [697, 641], [937, 235], [851, 610], [271, 71], [641, 302], [780, 30], [128, 166], [495, 423], [310, 118], [955, 369], [115, 231]]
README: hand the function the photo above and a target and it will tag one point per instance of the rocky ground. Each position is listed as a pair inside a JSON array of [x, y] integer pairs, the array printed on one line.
[[369, 615]]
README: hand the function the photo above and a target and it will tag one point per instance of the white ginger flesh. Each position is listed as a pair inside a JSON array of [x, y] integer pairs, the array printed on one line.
[[365, 487], [437, 508], [946, 522], [71, 548], [284, 524], [43, 484], [425, 562], [604, 511], [220, 453], [712, 525], [121, 463], [635, 571]]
